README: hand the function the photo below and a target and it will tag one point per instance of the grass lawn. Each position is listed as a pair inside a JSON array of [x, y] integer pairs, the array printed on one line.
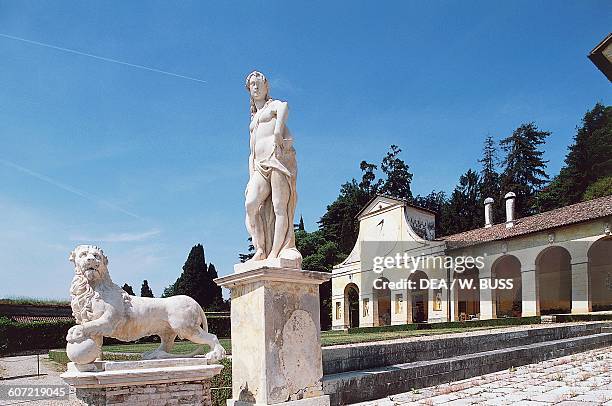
[[181, 347], [327, 338], [341, 337]]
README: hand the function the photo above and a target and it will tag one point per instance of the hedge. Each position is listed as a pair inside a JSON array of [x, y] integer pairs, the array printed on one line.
[[220, 326], [566, 318], [510, 321], [17, 337]]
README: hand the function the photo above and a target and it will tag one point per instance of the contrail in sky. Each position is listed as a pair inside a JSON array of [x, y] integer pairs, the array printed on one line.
[[68, 188], [102, 58]]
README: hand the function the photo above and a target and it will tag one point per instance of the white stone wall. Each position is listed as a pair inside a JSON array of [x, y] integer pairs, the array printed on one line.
[[576, 239]]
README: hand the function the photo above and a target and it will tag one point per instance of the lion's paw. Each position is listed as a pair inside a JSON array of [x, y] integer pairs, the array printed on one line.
[[76, 333], [217, 354], [156, 354]]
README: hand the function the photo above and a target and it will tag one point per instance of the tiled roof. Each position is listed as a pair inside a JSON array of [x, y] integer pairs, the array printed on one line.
[[575, 213]]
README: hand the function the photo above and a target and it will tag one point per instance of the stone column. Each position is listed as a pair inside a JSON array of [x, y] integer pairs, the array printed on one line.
[[529, 286], [399, 303], [581, 302], [276, 338], [487, 308], [366, 315]]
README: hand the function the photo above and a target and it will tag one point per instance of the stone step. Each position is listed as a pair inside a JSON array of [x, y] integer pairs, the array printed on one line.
[[356, 357], [376, 383]]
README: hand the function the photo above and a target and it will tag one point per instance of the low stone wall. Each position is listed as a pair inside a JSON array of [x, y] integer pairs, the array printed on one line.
[[357, 357], [179, 393], [375, 383]]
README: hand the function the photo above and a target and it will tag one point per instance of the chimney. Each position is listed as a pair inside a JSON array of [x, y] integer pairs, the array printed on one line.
[[510, 198], [488, 212]]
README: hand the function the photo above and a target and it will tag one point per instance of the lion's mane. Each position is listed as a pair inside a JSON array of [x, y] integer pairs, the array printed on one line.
[[81, 291]]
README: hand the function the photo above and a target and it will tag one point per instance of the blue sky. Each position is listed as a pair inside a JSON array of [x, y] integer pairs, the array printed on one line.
[[147, 164]]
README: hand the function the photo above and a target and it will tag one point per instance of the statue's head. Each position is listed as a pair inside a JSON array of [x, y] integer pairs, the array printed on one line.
[[90, 262], [258, 87]]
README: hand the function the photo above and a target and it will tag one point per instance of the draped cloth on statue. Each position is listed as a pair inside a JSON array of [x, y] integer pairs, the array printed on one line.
[[283, 160]]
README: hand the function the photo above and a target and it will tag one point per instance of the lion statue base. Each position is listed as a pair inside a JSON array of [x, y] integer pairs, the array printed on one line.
[[103, 309]]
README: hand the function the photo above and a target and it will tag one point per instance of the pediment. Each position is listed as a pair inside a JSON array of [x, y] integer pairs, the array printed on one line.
[[379, 203]]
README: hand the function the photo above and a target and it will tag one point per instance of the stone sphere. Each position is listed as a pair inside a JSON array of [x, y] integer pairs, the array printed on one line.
[[83, 352]]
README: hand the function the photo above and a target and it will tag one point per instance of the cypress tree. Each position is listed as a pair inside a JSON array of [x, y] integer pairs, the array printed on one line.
[[145, 290], [128, 289]]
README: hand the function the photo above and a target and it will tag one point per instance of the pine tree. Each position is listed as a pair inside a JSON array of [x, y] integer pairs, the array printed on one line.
[[398, 179], [245, 257], [301, 224], [368, 184], [435, 201], [145, 290], [589, 159], [524, 169], [490, 179], [463, 210], [128, 289]]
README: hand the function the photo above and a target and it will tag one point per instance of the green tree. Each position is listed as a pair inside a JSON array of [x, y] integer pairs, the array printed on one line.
[[397, 183], [248, 255], [600, 188], [301, 224], [589, 159], [319, 255], [437, 202], [217, 302], [490, 178], [524, 168], [339, 223], [368, 182], [128, 289], [145, 290], [196, 281], [463, 210]]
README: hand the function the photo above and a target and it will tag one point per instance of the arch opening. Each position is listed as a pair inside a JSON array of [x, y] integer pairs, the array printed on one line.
[[467, 292], [382, 303], [418, 297], [600, 274], [508, 300], [554, 281], [351, 305]]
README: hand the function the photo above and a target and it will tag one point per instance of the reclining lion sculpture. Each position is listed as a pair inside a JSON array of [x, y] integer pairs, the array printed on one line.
[[103, 309]]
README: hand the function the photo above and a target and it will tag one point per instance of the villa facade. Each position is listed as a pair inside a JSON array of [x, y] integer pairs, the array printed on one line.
[[558, 262]]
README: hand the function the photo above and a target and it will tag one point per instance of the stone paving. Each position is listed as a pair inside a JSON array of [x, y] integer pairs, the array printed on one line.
[[22, 371], [576, 380]]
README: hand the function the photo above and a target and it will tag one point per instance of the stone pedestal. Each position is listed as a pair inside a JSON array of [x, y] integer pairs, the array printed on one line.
[[276, 339], [184, 381]]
